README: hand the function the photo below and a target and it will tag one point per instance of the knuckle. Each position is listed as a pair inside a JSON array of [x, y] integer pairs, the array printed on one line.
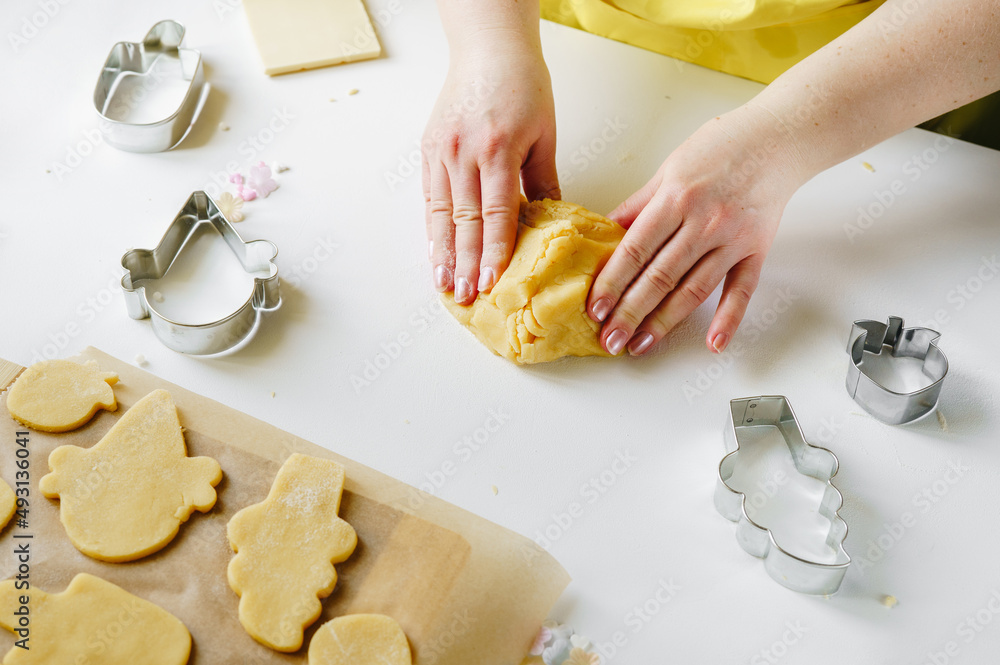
[[466, 214], [634, 255], [439, 207], [494, 146], [499, 212], [661, 281], [695, 292]]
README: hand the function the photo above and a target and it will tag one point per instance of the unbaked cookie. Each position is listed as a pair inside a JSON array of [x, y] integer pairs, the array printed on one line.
[[92, 621], [360, 639], [127, 496], [285, 550], [61, 395], [536, 312], [8, 503]]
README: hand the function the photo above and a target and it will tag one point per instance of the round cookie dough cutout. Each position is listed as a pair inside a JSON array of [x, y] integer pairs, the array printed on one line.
[[360, 639]]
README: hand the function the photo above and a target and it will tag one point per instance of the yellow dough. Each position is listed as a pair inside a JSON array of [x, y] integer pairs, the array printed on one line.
[[8, 503], [127, 496], [537, 310], [60, 395], [286, 547], [293, 35], [94, 622], [360, 639]]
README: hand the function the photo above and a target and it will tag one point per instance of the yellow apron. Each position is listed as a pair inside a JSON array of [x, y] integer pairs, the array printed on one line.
[[755, 39]]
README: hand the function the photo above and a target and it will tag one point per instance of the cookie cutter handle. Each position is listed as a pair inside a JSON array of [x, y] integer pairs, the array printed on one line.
[[166, 35]]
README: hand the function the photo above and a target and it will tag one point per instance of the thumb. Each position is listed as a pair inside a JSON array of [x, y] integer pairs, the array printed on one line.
[[538, 173]]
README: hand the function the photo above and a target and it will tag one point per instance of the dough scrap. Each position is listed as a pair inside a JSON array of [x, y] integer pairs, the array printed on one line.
[[537, 310], [360, 639], [61, 395], [127, 496], [285, 549], [8, 503], [92, 621]]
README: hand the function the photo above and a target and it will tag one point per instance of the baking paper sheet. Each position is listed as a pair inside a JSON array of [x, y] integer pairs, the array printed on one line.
[[464, 590]]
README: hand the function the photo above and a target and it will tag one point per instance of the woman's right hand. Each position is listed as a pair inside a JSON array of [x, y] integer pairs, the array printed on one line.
[[494, 120]]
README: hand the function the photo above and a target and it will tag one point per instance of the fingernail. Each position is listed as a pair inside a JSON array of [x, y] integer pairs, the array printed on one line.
[[616, 341], [441, 275], [720, 342], [601, 309], [486, 279], [430, 249], [463, 290], [640, 343]]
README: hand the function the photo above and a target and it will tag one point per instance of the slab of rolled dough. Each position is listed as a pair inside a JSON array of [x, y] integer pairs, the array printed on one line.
[[127, 496], [285, 550], [92, 621], [536, 312], [293, 35], [360, 639], [61, 395]]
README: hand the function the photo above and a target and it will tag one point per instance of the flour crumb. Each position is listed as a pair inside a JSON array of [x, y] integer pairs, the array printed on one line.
[[223, 127], [868, 167], [889, 601], [353, 91], [495, 489], [272, 394], [941, 421], [140, 360], [157, 296], [625, 157]]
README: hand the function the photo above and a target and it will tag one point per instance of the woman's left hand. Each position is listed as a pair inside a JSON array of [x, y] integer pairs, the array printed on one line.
[[710, 213]]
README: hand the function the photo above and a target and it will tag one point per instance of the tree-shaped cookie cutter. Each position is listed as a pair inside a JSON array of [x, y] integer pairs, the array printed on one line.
[[889, 406], [138, 59], [256, 257], [789, 570]]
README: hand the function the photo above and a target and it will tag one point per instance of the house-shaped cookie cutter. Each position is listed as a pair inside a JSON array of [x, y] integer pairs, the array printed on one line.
[[256, 257], [789, 570], [889, 406], [128, 59]]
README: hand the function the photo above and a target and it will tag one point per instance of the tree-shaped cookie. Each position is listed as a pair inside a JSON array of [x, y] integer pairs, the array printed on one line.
[[360, 639], [127, 496], [60, 395], [285, 550], [92, 621]]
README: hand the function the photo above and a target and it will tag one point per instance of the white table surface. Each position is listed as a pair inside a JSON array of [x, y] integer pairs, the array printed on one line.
[[63, 234]]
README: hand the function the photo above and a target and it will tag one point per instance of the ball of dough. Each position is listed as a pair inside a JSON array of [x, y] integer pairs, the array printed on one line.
[[536, 312]]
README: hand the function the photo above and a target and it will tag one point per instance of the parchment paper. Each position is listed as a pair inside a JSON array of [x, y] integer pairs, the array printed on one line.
[[464, 590]]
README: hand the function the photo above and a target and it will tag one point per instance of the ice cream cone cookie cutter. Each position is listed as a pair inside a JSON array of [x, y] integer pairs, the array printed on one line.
[[256, 257], [891, 406], [790, 570], [133, 74]]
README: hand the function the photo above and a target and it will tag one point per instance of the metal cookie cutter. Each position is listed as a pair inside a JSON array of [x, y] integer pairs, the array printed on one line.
[[895, 408], [256, 257], [160, 48], [787, 569]]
